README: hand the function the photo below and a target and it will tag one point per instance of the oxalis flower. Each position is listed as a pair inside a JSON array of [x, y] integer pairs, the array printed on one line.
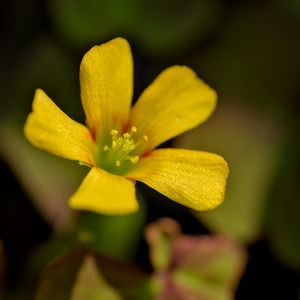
[[118, 143]]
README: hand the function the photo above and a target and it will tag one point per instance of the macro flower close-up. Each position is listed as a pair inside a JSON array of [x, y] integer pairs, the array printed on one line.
[[118, 142], [149, 150]]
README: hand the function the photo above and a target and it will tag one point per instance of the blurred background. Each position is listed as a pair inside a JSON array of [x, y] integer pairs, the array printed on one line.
[[248, 51]]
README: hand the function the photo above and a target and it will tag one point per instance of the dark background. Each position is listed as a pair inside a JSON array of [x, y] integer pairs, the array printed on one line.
[[247, 50]]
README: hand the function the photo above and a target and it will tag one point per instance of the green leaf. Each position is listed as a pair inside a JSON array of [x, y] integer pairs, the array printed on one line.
[[58, 279], [159, 236], [79, 273], [90, 284], [125, 277], [159, 27], [194, 267], [212, 268], [249, 143]]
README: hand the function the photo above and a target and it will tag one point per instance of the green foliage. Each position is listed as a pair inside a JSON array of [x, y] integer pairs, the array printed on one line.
[[166, 27], [58, 279], [90, 284], [247, 51], [87, 275], [207, 267]]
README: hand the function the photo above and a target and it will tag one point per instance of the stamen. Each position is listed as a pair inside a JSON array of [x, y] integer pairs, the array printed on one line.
[[114, 132], [123, 149], [134, 159]]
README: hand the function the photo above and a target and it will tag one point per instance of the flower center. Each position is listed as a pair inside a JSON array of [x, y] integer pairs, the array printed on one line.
[[121, 153]]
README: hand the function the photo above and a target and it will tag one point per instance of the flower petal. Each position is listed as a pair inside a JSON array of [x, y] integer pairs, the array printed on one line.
[[106, 82], [103, 192], [176, 101], [193, 178], [49, 128]]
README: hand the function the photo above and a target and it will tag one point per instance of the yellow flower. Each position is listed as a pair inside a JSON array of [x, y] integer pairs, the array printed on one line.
[[118, 143]]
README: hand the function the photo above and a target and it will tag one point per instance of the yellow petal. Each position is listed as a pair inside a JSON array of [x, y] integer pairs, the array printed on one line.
[[193, 178], [176, 101], [49, 128], [106, 82], [103, 192]]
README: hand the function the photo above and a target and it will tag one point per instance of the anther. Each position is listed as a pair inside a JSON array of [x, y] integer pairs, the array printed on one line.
[[134, 159], [114, 132], [118, 153]]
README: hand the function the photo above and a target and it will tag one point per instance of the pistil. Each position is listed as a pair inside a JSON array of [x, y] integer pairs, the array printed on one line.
[[118, 156]]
